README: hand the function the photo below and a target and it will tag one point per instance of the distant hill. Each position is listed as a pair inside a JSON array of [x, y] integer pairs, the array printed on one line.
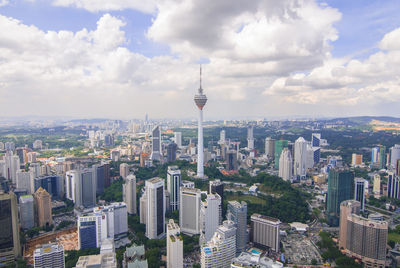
[[89, 121], [362, 120]]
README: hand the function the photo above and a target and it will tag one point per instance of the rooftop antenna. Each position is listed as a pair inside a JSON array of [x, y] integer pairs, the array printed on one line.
[[200, 89]]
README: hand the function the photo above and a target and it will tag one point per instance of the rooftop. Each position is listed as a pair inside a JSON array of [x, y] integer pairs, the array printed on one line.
[[259, 216]]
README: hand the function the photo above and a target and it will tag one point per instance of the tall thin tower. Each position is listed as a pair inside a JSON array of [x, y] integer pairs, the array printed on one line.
[[200, 99]]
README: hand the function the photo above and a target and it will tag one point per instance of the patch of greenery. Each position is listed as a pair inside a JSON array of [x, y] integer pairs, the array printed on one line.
[[113, 193]]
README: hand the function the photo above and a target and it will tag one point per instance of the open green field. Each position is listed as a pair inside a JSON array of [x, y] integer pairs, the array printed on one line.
[[246, 198], [394, 237]]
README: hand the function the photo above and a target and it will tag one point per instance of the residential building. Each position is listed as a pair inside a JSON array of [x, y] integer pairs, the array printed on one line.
[[237, 212], [250, 138], [286, 165], [49, 255], [210, 216], [377, 184], [356, 160], [123, 170], [178, 139], [129, 194], [300, 158], [347, 208], [269, 147]]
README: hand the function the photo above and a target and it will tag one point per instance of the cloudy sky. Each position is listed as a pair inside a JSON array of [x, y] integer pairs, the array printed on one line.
[[261, 58]]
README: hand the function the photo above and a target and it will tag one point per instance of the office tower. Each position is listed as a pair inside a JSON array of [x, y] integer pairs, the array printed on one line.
[[374, 155], [26, 212], [279, 145], [115, 155], [359, 191], [116, 215], [31, 157], [340, 188], [265, 231], [237, 212], [174, 245], [156, 153], [269, 147], [377, 184], [124, 170], [316, 155], [43, 207], [393, 186], [347, 208], [200, 99], [99, 172], [210, 216], [129, 194], [171, 152], [189, 211], [178, 139], [173, 185], [35, 168], [382, 157], [108, 140], [52, 184], [71, 178], [397, 168], [356, 160], [49, 255], [300, 158], [25, 181], [221, 249], [12, 164], [85, 189], [309, 156], [231, 160], [217, 187], [155, 216], [37, 144], [250, 138], [92, 230], [286, 165], [9, 232], [394, 155], [20, 152], [362, 238], [222, 137], [316, 139], [143, 208]]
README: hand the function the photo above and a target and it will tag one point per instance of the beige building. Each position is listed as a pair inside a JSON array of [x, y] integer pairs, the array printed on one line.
[[43, 207], [377, 185], [356, 160], [129, 194], [346, 208], [174, 245], [124, 170], [265, 231]]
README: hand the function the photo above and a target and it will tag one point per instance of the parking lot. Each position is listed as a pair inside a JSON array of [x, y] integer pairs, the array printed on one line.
[[300, 250]]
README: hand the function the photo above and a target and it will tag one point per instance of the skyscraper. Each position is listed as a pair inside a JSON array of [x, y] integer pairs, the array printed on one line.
[[222, 137], [189, 212], [340, 188], [156, 153], [25, 181], [124, 170], [155, 217], [300, 158], [394, 155], [347, 208], [210, 216], [265, 231], [221, 249], [92, 230], [174, 245], [200, 99], [173, 185], [171, 152], [393, 185], [43, 207], [9, 232], [85, 189], [237, 212], [269, 147], [49, 255], [217, 187], [26, 212], [316, 139], [231, 160], [178, 139], [279, 145], [382, 156], [359, 191], [286, 165], [129, 194], [374, 155], [71, 178], [143, 208], [52, 184], [377, 184], [250, 138]]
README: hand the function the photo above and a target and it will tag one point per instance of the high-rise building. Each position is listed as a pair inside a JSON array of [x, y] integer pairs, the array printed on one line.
[[26, 212], [174, 245], [31, 157], [71, 178], [340, 188], [359, 191], [210, 216], [221, 249], [12, 164], [115, 155], [250, 138], [43, 207], [37, 144], [222, 137], [377, 184], [171, 152], [129, 194], [117, 219], [286, 165], [124, 170], [300, 158], [279, 145], [92, 230], [269, 147], [356, 160], [49, 255], [189, 211], [237, 212], [143, 208], [178, 139], [393, 186], [85, 189], [394, 155], [21, 154], [200, 99], [25, 181], [155, 217], [347, 208], [217, 187], [173, 185], [231, 160], [362, 238], [156, 152], [265, 231], [100, 174], [382, 156], [316, 139], [10, 247], [52, 184]]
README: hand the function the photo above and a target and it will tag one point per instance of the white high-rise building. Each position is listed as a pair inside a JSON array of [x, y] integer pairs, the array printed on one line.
[[237, 212], [269, 147], [377, 184], [286, 165], [25, 180], [173, 185], [12, 164], [200, 99], [129, 194], [49, 255], [250, 138], [300, 158], [155, 216], [394, 155], [210, 216], [156, 152], [92, 230], [124, 170], [310, 155], [178, 139], [174, 246], [35, 168], [221, 249], [222, 137], [71, 177], [117, 219], [189, 211], [143, 208]]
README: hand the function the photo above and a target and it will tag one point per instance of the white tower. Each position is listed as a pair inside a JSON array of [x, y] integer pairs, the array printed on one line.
[[200, 99], [174, 245]]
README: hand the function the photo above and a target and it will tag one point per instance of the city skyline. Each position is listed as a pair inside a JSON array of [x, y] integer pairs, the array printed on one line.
[[126, 58]]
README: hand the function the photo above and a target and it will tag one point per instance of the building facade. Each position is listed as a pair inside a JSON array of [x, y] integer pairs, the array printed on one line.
[[129, 194], [173, 186], [265, 231], [49, 255], [174, 245], [155, 216], [237, 212], [189, 211]]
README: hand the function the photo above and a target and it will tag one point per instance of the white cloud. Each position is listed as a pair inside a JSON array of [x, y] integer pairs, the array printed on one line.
[[147, 6], [4, 2]]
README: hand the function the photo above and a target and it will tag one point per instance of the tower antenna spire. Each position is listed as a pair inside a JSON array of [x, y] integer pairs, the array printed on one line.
[[201, 90]]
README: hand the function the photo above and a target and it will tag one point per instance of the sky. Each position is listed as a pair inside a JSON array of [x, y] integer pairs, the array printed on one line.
[[260, 58]]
